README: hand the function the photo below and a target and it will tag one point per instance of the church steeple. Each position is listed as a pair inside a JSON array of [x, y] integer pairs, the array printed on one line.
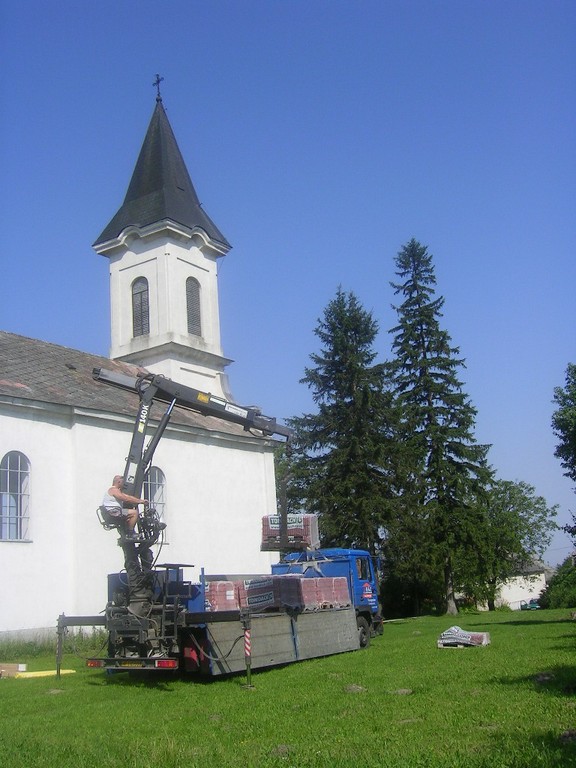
[[163, 250], [161, 188]]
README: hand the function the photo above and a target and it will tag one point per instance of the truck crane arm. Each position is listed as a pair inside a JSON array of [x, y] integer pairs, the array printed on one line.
[[155, 387]]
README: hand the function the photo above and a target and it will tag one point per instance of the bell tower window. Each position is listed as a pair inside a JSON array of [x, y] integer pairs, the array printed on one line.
[[193, 306], [140, 307]]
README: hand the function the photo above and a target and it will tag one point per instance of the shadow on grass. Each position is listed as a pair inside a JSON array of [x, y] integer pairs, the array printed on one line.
[[161, 680], [138, 679], [496, 619], [552, 748], [555, 681], [537, 620]]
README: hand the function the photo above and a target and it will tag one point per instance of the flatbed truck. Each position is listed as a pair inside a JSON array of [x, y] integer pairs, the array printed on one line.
[[156, 619]]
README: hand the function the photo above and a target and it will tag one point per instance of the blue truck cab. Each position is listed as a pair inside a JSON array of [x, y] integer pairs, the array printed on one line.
[[360, 570]]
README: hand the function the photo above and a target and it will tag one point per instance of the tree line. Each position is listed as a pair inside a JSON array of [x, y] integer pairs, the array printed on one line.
[[389, 462]]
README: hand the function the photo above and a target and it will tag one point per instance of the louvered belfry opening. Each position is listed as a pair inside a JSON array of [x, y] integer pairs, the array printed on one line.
[[193, 306], [140, 307]]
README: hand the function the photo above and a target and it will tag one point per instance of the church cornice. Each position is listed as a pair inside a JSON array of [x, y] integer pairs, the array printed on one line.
[[143, 355], [166, 227]]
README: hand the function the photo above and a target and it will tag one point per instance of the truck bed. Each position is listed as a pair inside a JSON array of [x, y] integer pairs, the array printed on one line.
[[212, 644], [276, 638]]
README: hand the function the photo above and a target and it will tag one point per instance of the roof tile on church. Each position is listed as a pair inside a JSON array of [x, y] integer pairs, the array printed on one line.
[[39, 371]]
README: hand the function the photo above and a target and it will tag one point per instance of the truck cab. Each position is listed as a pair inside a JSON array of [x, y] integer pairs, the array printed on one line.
[[359, 568]]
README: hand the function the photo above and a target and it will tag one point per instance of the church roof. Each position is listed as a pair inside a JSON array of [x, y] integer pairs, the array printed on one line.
[[161, 187], [39, 371]]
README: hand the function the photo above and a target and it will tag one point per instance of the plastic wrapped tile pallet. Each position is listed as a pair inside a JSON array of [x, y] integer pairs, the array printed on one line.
[[258, 593], [456, 637], [221, 596], [313, 594], [290, 591], [265, 593], [302, 531]]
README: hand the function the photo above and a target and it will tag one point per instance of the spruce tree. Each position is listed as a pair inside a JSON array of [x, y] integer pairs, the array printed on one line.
[[339, 470], [444, 465]]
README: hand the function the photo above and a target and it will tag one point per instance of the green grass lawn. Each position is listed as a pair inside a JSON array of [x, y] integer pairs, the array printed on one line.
[[402, 702]]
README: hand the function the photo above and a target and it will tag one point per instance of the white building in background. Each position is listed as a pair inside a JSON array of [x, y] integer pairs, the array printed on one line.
[[520, 590], [525, 586], [63, 435]]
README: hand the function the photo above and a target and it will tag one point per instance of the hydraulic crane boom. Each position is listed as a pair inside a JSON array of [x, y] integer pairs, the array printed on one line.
[[155, 387]]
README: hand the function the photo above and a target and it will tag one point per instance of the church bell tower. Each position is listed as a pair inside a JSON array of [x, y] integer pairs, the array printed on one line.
[[163, 250]]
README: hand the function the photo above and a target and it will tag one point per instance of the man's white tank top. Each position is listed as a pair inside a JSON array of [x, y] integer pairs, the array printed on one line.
[[111, 504]]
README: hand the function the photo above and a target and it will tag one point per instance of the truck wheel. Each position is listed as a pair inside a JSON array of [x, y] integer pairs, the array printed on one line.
[[363, 632]]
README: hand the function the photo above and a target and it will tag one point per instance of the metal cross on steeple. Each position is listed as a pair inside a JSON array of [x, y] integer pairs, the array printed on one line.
[[156, 84]]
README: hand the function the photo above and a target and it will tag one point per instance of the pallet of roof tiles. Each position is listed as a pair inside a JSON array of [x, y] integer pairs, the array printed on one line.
[[221, 596], [341, 592], [301, 529], [309, 591], [298, 592], [270, 533], [289, 590], [456, 637], [333, 592], [258, 594]]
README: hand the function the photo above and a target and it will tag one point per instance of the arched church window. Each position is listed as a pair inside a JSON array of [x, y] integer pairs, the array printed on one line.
[[154, 490], [14, 496], [140, 307], [193, 306]]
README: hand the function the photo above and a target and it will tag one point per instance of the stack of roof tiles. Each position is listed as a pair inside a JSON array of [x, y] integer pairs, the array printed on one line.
[[302, 531], [221, 596], [265, 593], [259, 593]]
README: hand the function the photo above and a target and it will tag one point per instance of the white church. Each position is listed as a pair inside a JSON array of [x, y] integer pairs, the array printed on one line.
[[64, 435]]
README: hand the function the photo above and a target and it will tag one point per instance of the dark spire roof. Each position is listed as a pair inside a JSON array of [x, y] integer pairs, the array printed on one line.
[[161, 187]]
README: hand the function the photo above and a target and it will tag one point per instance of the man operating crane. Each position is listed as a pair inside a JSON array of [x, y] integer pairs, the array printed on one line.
[[115, 501]]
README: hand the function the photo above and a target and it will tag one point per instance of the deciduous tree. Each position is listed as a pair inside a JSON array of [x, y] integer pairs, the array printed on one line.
[[517, 528], [564, 422]]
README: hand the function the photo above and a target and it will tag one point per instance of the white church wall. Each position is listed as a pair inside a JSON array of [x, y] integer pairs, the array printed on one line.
[[125, 267], [213, 521], [185, 262], [166, 264], [100, 450], [216, 498], [37, 574]]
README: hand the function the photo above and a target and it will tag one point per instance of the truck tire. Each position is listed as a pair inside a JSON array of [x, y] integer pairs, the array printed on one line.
[[363, 631]]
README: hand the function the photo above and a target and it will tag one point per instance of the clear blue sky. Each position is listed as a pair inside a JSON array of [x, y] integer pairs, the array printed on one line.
[[321, 136]]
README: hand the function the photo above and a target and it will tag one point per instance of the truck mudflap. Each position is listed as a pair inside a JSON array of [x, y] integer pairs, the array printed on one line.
[[276, 639]]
